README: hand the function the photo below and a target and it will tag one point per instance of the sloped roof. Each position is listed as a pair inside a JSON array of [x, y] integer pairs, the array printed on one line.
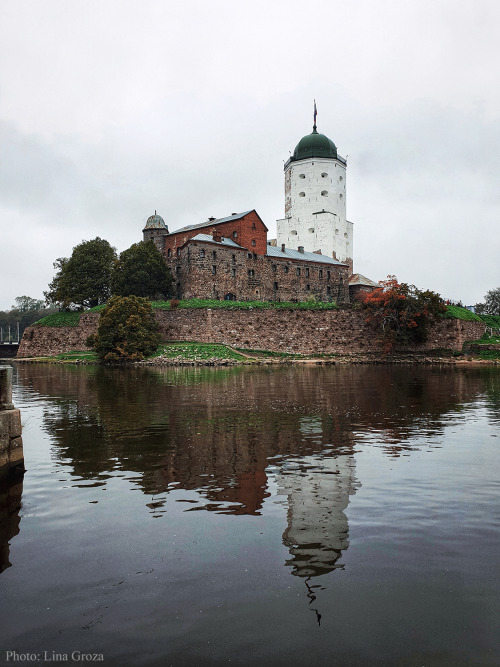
[[274, 251], [359, 279], [224, 241], [211, 223]]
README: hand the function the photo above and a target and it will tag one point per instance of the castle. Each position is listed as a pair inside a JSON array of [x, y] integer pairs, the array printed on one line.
[[231, 258]]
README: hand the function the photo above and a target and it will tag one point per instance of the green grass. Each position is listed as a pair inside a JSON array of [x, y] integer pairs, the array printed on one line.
[[244, 305], [196, 351], [456, 312], [492, 321], [62, 319], [489, 354], [77, 355]]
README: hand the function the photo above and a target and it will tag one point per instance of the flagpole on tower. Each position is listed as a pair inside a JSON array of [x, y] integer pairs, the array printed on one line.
[[315, 114]]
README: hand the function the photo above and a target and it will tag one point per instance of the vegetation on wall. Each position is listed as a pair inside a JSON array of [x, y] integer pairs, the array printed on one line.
[[401, 313], [127, 330]]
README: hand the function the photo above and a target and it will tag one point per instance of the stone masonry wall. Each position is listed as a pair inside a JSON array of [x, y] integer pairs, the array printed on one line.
[[341, 331]]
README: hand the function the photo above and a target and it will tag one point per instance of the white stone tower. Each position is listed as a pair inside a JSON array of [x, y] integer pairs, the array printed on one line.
[[315, 200]]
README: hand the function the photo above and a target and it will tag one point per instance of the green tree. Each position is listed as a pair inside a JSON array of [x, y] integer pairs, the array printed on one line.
[[142, 271], [491, 305], [127, 330], [83, 280], [25, 304]]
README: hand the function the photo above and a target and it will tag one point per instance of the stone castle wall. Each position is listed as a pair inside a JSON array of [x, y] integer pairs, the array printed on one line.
[[341, 331]]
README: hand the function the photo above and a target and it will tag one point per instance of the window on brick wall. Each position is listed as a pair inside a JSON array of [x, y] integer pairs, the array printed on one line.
[[274, 267], [254, 256], [235, 235], [169, 253], [249, 255], [307, 272], [233, 257], [233, 272], [298, 271], [202, 253], [276, 287], [178, 252], [308, 287], [253, 225], [285, 269], [177, 269], [214, 255], [328, 275], [251, 273], [214, 269], [321, 273]]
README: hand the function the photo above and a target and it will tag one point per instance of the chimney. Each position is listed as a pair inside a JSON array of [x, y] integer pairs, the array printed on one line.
[[282, 247], [216, 235], [211, 218], [301, 249]]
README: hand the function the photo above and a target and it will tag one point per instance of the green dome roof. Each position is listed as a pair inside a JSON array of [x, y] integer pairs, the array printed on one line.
[[155, 222], [315, 145]]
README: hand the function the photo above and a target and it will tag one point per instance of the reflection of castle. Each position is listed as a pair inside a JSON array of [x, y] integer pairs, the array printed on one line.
[[317, 489]]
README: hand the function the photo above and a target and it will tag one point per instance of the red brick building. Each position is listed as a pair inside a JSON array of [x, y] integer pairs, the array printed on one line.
[[230, 258]]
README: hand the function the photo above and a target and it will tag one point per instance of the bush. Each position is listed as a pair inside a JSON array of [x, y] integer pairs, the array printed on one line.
[[127, 330]]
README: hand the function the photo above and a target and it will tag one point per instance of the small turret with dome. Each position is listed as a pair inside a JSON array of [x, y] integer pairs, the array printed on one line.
[[155, 229]]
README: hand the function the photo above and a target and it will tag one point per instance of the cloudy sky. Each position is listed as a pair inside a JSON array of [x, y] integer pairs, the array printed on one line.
[[110, 109]]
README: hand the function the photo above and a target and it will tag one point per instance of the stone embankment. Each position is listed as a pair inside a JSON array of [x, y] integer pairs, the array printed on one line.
[[11, 442], [309, 332]]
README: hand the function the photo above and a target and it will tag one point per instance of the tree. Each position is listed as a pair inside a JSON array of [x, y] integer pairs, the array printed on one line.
[[127, 330], [25, 304], [83, 280], [402, 313], [491, 305], [142, 271]]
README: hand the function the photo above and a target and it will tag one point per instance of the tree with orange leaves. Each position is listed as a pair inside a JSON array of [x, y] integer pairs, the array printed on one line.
[[401, 312]]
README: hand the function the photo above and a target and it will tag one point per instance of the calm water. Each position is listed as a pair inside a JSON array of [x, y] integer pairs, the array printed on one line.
[[252, 516]]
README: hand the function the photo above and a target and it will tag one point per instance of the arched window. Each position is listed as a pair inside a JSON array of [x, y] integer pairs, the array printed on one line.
[[302, 175], [324, 193], [311, 230], [324, 175], [293, 232], [302, 194], [169, 253]]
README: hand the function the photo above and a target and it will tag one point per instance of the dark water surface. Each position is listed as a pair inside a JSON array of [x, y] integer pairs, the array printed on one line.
[[254, 516]]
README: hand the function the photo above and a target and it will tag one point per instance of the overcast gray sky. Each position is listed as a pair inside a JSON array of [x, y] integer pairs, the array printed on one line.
[[110, 109]]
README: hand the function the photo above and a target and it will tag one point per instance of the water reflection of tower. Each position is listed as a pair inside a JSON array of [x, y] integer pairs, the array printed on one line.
[[317, 489]]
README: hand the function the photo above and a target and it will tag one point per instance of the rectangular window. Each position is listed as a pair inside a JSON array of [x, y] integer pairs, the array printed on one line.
[[214, 269], [307, 273], [285, 269], [276, 287], [328, 275], [275, 268], [234, 258], [233, 273], [202, 253], [214, 255], [298, 271], [321, 273]]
